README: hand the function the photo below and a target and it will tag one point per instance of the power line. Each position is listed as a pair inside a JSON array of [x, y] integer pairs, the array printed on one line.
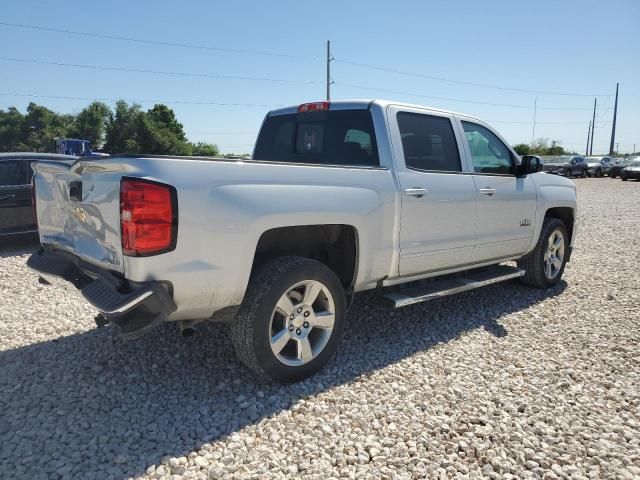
[[147, 41], [169, 102], [528, 107], [462, 82], [158, 72]]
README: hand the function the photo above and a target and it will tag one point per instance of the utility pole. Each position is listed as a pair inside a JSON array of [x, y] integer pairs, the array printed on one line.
[[329, 60], [586, 152], [533, 131], [593, 125], [613, 127]]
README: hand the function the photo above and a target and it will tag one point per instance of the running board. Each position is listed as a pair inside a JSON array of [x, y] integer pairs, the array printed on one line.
[[451, 286]]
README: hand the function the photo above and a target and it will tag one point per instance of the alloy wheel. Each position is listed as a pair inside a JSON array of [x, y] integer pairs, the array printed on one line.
[[302, 323]]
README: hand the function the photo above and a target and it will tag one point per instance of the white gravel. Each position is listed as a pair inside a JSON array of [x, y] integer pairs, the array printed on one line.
[[505, 382]]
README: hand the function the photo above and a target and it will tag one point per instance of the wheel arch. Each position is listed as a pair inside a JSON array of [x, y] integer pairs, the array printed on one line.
[[335, 245], [566, 215]]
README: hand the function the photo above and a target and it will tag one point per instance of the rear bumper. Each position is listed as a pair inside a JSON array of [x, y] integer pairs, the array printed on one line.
[[136, 307]]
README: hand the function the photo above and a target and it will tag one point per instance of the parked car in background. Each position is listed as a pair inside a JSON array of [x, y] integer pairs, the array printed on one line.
[[16, 209], [631, 171], [616, 169], [597, 165], [567, 166]]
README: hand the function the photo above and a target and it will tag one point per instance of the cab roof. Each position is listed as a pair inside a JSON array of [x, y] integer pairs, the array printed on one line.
[[363, 104]]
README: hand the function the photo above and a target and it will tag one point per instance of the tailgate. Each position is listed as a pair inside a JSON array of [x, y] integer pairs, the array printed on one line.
[[78, 210]]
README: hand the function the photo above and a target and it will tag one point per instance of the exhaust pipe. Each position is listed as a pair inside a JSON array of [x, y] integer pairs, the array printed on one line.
[[186, 328]]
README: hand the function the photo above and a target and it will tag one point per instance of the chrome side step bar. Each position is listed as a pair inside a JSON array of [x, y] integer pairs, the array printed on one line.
[[451, 286]]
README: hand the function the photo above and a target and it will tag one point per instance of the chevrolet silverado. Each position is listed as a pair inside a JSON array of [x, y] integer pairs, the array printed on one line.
[[338, 198]]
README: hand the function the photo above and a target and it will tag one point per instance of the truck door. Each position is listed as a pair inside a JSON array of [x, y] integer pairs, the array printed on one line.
[[438, 199], [15, 197], [506, 203]]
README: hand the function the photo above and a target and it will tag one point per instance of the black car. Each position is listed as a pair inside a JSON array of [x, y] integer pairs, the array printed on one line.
[[16, 210], [631, 171], [616, 168], [567, 165]]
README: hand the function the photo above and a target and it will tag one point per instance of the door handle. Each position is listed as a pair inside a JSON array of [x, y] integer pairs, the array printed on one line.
[[7, 197], [488, 191], [416, 192]]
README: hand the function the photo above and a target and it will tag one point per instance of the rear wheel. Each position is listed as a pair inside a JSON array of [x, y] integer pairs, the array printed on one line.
[[291, 320], [545, 264], [612, 175], [623, 177], [598, 173]]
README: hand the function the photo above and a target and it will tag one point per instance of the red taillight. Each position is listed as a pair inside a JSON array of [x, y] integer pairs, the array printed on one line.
[[148, 217], [313, 107]]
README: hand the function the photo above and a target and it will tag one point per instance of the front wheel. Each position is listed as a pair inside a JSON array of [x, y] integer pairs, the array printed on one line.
[[291, 319], [545, 264], [598, 173], [623, 177], [612, 175]]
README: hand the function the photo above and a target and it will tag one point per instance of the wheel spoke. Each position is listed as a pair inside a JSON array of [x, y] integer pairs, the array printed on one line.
[[323, 320], [311, 292], [304, 350], [558, 242], [552, 239], [285, 305], [557, 263], [547, 269], [279, 340]]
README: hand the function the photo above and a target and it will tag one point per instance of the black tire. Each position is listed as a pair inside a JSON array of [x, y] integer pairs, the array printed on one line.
[[598, 173], [612, 175], [623, 177], [533, 263], [250, 330]]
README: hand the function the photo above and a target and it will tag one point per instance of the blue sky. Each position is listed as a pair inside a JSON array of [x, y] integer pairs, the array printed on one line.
[[581, 47]]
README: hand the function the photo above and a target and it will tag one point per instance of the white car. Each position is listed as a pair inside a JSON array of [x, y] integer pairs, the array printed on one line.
[[339, 198]]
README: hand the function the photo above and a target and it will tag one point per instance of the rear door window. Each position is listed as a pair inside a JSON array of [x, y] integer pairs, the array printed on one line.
[[333, 137], [428, 142]]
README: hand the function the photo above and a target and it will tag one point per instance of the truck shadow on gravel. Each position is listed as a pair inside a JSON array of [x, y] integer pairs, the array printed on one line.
[[90, 406]]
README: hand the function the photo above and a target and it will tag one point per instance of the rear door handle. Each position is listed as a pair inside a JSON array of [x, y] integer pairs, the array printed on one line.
[[488, 191], [416, 192]]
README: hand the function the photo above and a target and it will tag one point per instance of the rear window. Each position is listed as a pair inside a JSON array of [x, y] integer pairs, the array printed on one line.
[[340, 137]]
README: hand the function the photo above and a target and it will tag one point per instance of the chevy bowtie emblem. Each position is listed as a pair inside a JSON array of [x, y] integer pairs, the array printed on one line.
[[525, 222], [80, 214]]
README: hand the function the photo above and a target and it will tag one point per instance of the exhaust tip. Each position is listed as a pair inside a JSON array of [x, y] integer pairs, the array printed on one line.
[[187, 332]]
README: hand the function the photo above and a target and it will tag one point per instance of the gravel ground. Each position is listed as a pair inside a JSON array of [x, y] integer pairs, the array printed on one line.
[[505, 382]]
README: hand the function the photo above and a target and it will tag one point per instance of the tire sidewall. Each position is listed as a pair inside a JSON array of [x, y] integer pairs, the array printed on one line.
[[549, 227], [277, 370]]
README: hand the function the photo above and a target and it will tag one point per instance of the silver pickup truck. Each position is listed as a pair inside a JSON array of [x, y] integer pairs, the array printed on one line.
[[339, 198]]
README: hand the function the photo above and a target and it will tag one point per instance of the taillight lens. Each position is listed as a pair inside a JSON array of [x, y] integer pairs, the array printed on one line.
[[148, 217]]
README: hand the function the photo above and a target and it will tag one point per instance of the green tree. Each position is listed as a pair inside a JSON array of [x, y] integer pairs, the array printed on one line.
[[121, 130], [522, 149], [91, 123], [12, 131], [42, 125], [204, 149], [159, 132]]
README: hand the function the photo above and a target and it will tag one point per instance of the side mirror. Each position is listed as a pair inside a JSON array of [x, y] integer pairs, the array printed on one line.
[[530, 164]]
